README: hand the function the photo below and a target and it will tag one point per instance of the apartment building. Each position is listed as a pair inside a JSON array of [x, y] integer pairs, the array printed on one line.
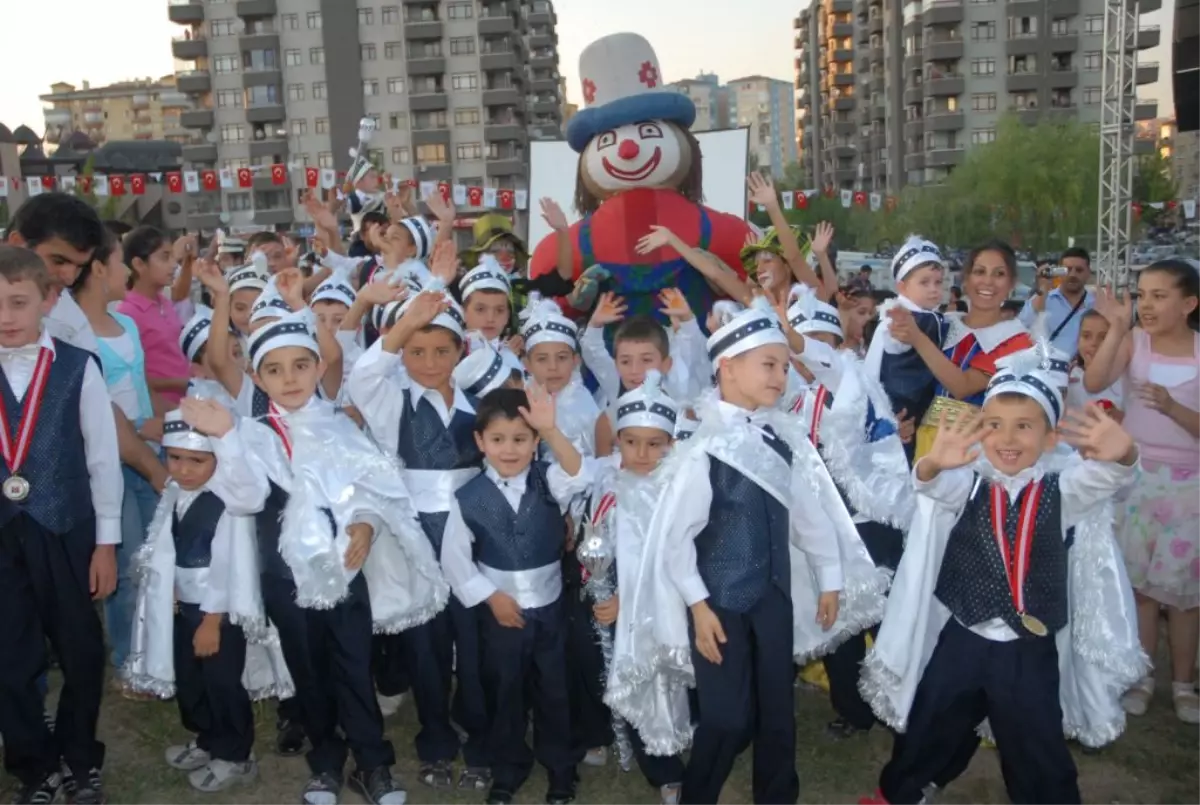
[[894, 94], [1180, 149], [457, 88], [765, 106], [145, 109], [710, 98]]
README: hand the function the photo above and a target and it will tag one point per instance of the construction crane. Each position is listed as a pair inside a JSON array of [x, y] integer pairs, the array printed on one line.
[[1115, 213]]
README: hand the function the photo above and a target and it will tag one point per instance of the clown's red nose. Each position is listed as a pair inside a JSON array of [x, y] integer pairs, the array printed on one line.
[[628, 149]]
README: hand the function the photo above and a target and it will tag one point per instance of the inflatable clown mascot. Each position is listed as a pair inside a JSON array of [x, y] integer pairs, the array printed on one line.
[[639, 166]]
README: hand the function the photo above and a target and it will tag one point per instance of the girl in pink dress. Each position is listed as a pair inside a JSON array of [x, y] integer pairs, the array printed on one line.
[[1159, 360]]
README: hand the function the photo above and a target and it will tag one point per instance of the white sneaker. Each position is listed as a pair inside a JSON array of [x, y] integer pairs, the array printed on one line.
[[596, 756], [188, 757], [389, 705], [1137, 699], [1187, 703], [221, 774]]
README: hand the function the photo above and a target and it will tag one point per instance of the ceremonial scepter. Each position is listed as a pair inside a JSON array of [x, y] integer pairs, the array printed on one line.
[[596, 552]]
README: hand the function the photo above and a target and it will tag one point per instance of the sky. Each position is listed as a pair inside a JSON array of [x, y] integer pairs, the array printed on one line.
[[92, 40]]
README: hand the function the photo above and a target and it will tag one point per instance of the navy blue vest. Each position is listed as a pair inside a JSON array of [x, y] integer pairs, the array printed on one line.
[[743, 549], [529, 538], [909, 383], [60, 492], [427, 444], [194, 531], [972, 582]]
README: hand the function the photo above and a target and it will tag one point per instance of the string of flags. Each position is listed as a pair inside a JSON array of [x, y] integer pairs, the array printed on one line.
[[799, 199], [215, 180], [1188, 204]]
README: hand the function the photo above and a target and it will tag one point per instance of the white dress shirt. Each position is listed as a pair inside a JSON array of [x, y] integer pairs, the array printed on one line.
[[1082, 485], [67, 322], [99, 432], [474, 582]]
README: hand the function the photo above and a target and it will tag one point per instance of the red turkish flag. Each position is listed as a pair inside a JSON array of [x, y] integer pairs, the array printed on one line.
[[137, 184], [860, 198], [506, 199], [475, 196], [208, 180], [801, 200], [175, 182], [245, 177], [444, 189], [116, 185], [278, 174], [48, 183], [311, 177], [85, 184]]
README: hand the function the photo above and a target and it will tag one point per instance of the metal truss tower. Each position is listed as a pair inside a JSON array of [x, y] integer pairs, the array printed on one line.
[[1114, 218]]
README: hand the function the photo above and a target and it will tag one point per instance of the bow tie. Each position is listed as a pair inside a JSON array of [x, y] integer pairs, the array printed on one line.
[[28, 351], [515, 484]]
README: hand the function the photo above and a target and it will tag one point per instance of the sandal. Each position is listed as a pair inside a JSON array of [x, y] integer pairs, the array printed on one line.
[[1187, 703], [438, 774], [475, 778]]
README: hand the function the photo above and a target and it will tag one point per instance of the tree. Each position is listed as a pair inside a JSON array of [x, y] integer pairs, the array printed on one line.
[[1152, 184]]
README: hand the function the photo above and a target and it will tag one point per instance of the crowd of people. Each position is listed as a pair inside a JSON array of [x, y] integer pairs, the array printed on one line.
[[388, 469]]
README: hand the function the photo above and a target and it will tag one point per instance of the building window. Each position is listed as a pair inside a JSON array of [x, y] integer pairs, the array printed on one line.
[[289, 22], [983, 67], [238, 202], [366, 52], [366, 16], [466, 116], [1059, 26], [1091, 96], [299, 127], [259, 59], [1022, 100], [1092, 60], [318, 90], [981, 136], [1022, 27], [220, 28], [1022, 65], [462, 45], [262, 96], [425, 121], [295, 92], [395, 86], [398, 120], [233, 133], [460, 11], [983, 31], [424, 84], [424, 50], [316, 55], [391, 15], [237, 164], [292, 57], [1093, 24], [226, 64], [400, 156], [431, 154], [325, 159], [370, 86], [464, 82], [392, 51], [229, 99], [314, 19], [321, 125], [468, 151], [985, 102]]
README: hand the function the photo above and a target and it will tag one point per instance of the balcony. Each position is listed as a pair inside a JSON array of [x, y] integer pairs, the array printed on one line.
[[844, 79], [279, 217], [1146, 6], [93, 117], [542, 15], [948, 85], [843, 104], [204, 220], [500, 24], [1148, 36], [1147, 73], [541, 106], [943, 157], [263, 77], [1145, 110], [843, 29], [842, 6], [878, 111], [270, 147], [1063, 43], [875, 25], [914, 129], [431, 137], [502, 96], [506, 166], [843, 55], [496, 132], [844, 151], [185, 12], [914, 162], [844, 128], [199, 152], [943, 49], [268, 40], [541, 39], [197, 119], [188, 48], [543, 60], [57, 118], [250, 9], [424, 30], [1023, 82], [1142, 147], [914, 96], [944, 121], [546, 85], [942, 12], [194, 82], [877, 55], [502, 60], [263, 181], [1063, 78], [878, 84], [1067, 8], [845, 175], [266, 112], [428, 102], [172, 99], [1028, 115], [426, 65]]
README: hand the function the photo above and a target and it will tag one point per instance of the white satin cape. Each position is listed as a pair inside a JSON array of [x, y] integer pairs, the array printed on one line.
[[233, 575], [656, 652], [1099, 655]]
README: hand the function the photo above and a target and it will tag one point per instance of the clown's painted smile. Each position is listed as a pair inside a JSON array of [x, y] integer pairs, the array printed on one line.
[[636, 174]]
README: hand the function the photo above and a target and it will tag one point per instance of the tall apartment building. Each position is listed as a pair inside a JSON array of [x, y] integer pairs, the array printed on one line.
[[146, 109], [893, 94], [457, 88], [765, 105], [710, 98]]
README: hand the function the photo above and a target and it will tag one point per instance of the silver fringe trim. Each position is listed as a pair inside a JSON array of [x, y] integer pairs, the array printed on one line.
[[873, 681], [415, 617], [669, 666], [860, 606]]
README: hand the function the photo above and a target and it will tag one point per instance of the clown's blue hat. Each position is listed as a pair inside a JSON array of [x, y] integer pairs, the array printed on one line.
[[622, 84]]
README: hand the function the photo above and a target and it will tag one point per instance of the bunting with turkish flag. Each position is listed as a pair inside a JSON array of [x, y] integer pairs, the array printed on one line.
[[312, 177], [48, 183], [860, 198], [116, 185], [175, 182], [278, 174], [209, 180], [506, 199], [444, 189], [137, 184], [245, 177], [475, 196]]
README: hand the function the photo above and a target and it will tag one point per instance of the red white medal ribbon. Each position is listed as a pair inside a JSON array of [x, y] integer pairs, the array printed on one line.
[[798, 405], [1016, 562], [14, 457], [814, 434], [606, 504], [275, 420]]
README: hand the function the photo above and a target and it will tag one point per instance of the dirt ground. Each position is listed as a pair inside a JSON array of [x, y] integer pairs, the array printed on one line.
[[1155, 761]]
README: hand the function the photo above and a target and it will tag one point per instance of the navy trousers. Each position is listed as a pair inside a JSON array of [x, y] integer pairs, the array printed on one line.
[[659, 770], [328, 653], [1014, 685], [748, 697], [523, 670], [44, 594], [212, 702]]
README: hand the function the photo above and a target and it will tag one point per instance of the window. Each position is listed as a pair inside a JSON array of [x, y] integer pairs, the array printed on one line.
[[1091, 96], [229, 99], [299, 127], [1022, 100], [395, 86], [983, 31], [1058, 27], [262, 96], [464, 82], [468, 151], [366, 52], [316, 55], [459, 11], [292, 57], [370, 86], [462, 45], [423, 121], [366, 16], [1022, 65], [238, 202], [237, 164], [400, 156], [398, 120], [318, 90], [259, 59], [1022, 27], [225, 64], [981, 136], [375, 156], [392, 51], [1092, 60], [985, 102], [431, 154], [220, 28], [424, 84], [391, 15], [233, 133], [983, 67], [295, 92], [301, 158], [425, 50], [466, 116], [1093, 24], [325, 159], [289, 22], [314, 19], [321, 125]]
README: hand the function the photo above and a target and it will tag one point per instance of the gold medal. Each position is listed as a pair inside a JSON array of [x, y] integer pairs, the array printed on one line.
[[1034, 625], [15, 488]]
